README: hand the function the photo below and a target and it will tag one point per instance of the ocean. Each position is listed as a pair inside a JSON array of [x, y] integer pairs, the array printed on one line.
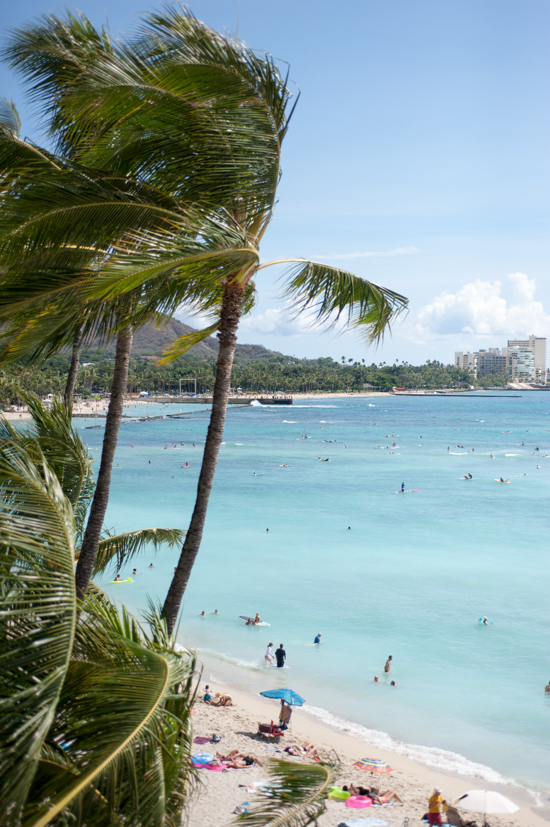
[[376, 572]]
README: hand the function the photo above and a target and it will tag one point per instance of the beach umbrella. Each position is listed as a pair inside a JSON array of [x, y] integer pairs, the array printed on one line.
[[486, 801], [286, 695], [373, 765]]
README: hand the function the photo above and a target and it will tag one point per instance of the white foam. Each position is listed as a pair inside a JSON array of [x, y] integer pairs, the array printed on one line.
[[432, 756], [290, 421], [458, 453], [256, 404], [371, 406], [511, 455]]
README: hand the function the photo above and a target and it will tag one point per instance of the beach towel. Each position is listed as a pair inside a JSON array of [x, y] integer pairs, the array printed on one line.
[[213, 767], [363, 822]]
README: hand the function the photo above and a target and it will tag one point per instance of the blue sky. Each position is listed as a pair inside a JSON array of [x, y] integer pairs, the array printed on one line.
[[417, 157]]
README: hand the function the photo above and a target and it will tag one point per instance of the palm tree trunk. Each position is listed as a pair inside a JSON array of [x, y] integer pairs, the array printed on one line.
[[73, 370], [101, 497], [227, 335]]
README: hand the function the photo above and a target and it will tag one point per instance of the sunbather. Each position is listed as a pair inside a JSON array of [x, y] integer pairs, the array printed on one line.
[[305, 751], [384, 798], [374, 795], [237, 760], [222, 700]]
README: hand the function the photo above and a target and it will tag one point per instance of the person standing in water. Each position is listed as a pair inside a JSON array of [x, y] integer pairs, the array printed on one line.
[[387, 666], [280, 655], [317, 638], [269, 655]]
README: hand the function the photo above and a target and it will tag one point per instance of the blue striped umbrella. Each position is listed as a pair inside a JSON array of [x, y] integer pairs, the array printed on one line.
[[286, 695]]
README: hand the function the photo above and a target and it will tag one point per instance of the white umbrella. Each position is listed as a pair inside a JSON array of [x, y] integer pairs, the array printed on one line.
[[486, 801]]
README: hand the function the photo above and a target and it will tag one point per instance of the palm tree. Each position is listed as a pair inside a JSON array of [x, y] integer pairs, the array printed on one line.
[[96, 721], [220, 105]]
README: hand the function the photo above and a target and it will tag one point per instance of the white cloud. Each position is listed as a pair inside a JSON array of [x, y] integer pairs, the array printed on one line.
[[480, 309], [275, 321], [398, 251]]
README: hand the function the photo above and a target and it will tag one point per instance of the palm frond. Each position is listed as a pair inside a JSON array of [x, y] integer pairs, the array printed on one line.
[[183, 344], [177, 105], [10, 122], [123, 728], [331, 295], [37, 614], [294, 797], [119, 549]]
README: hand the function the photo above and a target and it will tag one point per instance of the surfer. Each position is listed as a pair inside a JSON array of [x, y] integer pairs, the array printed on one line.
[[257, 619], [402, 487]]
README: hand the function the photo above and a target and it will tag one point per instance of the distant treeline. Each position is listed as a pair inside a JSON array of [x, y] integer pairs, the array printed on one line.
[[277, 374]]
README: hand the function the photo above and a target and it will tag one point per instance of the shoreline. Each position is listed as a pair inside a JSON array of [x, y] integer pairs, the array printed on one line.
[[412, 780]]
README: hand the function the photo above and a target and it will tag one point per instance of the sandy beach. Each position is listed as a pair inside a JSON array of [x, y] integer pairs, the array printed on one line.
[[96, 406], [221, 793]]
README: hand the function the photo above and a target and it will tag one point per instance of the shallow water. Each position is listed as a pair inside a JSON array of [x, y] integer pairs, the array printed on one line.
[[411, 578]]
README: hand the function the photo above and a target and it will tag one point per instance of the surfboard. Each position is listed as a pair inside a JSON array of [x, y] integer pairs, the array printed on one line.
[[506, 482], [261, 623], [126, 580], [412, 491]]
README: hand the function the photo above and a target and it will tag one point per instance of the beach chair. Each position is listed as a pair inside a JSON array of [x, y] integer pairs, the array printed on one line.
[[270, 730], [454, 818]]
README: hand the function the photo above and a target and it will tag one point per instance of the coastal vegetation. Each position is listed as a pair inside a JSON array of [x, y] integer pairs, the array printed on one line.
[[273, 373]]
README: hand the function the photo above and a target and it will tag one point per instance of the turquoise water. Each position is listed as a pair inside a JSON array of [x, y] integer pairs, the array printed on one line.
[[410, 579]]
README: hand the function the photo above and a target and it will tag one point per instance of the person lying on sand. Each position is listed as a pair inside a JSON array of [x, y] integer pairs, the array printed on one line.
[[374, 795], [305, 751], [237, 760]]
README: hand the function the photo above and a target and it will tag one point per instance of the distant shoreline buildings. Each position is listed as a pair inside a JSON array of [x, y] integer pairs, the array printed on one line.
[[522, 360]]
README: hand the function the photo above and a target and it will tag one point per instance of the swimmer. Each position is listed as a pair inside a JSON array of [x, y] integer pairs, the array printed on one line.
[[267, 530], [547, 687], [392, 683], [538, 466], [117, 578], [202, 614], [376, 679], [134, 571], [132, 444], [215, 611], [491, 456], [485, 621], [349, 528], [151, 566]]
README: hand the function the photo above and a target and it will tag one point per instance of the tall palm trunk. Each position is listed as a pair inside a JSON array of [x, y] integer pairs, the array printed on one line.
[[101, 497], [73, 370], [227, 335]]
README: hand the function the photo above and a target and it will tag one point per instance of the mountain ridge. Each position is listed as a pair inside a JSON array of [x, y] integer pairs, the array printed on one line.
[[150, 341]]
